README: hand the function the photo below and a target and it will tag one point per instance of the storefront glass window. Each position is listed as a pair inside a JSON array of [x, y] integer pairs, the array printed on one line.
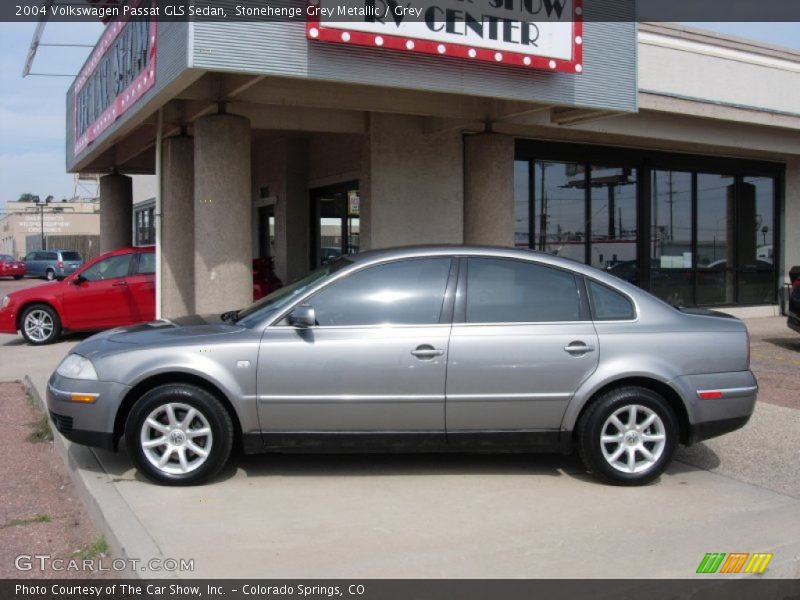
[[671, 275], [613, 218], [711, 238], [522, 231], [755, 231], [715, 227], [560, 209]]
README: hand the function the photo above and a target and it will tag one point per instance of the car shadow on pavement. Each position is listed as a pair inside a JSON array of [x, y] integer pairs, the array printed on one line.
[[70, 337], [787, 343], [697, 456], [120, 468]]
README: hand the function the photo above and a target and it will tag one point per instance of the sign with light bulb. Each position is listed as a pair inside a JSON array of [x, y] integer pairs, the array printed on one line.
[[537, 34]]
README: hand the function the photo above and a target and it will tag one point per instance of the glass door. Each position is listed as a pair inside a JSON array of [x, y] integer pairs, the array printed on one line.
[[335, 222]]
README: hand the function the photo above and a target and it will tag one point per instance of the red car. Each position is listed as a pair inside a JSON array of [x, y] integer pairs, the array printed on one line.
[[116, 288], [11, 267]]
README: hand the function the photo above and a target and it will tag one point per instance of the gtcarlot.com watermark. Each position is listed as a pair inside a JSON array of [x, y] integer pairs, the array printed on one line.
[[46, 562]]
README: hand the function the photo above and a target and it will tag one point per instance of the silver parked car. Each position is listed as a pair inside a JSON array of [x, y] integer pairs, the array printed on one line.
[[431, 348]]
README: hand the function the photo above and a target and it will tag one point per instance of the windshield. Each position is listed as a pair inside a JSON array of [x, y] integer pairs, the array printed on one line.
[[285, 295]]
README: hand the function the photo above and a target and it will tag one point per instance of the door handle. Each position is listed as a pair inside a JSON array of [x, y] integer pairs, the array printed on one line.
[[578, 348], [426, 352], [119, 284]]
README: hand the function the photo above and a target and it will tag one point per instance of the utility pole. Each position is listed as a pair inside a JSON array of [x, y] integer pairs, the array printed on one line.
[[42, 205]]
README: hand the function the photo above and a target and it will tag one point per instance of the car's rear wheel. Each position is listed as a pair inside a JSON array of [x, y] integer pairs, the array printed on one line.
[[179, 434], [50, 275], [40, 325], [627, 436]]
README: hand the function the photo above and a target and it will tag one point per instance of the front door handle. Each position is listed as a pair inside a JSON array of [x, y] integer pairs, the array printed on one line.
[[119, 284], [426, 352], [578, 348]]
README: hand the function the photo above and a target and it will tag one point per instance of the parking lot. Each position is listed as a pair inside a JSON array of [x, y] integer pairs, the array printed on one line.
[[465, 515]]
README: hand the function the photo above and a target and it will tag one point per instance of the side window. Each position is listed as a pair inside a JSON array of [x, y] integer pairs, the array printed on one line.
[[609, 305], [109, 268], [50, 256], [147, 263], [407, 292], [513, 291]]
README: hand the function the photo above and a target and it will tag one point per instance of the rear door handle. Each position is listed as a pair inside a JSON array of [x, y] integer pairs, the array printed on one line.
[[578, 348], [426, 352]]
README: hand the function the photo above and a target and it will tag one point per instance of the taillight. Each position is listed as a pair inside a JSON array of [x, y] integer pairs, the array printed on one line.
[[796, 284], [61, 264]]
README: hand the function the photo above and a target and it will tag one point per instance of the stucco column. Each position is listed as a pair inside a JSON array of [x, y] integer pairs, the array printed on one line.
[[222, 214], [116, 211], [790, 219], [489, 189], [177, 227], [292, 214]]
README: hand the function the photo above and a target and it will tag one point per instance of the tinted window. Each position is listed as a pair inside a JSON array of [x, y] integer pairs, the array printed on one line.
[[5, 257], [109, 268], [30, 256], [512, 291], [406, 292], [609, 304], [49, 256], [147, 263], [73, 256]]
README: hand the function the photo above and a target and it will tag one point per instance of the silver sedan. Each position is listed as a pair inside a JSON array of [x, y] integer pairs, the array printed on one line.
[[445, 348]]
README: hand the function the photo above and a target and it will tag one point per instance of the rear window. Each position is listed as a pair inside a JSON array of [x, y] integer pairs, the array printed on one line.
[[608, 304], [71, 256]]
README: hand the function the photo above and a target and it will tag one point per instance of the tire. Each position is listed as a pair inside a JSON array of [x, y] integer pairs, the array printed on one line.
[[50, 275], [610, 461], [209, 414], [40, 325]]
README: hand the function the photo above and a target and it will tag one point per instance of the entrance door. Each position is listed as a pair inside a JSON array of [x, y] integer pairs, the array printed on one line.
[[335, 222]]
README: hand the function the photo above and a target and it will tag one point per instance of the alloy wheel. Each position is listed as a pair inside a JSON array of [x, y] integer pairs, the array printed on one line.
[[633, 439], [176, 438], [39, 325]]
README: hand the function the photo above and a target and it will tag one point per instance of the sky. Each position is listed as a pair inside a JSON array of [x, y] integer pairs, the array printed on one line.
[[32, 110]]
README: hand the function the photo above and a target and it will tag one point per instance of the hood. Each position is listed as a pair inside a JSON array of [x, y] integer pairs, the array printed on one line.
[[154, 333], [51, 288]]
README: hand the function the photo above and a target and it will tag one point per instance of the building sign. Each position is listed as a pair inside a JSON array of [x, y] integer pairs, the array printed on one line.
[[539, 34], [119, 71]]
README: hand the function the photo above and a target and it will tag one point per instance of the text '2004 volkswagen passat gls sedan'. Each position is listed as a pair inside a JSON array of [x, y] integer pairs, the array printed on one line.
[[416, 349]]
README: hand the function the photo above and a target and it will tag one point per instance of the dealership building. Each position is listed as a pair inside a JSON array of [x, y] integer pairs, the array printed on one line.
[[667, 155]]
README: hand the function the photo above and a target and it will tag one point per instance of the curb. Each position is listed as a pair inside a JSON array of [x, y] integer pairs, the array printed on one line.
[[108, 511]]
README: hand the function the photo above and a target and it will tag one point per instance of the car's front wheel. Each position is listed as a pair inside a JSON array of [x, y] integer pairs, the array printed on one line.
[[40, 325], [627, 436], [179, 434]]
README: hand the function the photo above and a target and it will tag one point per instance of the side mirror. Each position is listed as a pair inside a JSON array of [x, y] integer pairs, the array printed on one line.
[[77, 280], [303, 316]]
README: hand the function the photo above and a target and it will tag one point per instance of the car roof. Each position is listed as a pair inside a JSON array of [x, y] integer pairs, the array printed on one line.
[[454, 250]]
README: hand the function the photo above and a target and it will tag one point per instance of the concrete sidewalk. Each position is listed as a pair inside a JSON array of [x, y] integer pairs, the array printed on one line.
[[461, 515]]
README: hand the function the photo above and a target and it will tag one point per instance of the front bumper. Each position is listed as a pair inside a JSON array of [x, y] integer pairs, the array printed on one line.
[[86, 424], [8, 320]]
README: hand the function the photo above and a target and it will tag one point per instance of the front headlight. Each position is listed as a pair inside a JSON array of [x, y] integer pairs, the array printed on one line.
[[75, 366], [5, 302]]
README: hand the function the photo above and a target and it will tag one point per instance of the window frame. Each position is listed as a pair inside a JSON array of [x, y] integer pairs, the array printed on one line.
[[131, 258], [590, 297], [460, 309], [445, 310]]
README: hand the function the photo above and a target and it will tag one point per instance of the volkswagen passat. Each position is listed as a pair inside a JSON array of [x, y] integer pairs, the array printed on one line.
[[434, 348]]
